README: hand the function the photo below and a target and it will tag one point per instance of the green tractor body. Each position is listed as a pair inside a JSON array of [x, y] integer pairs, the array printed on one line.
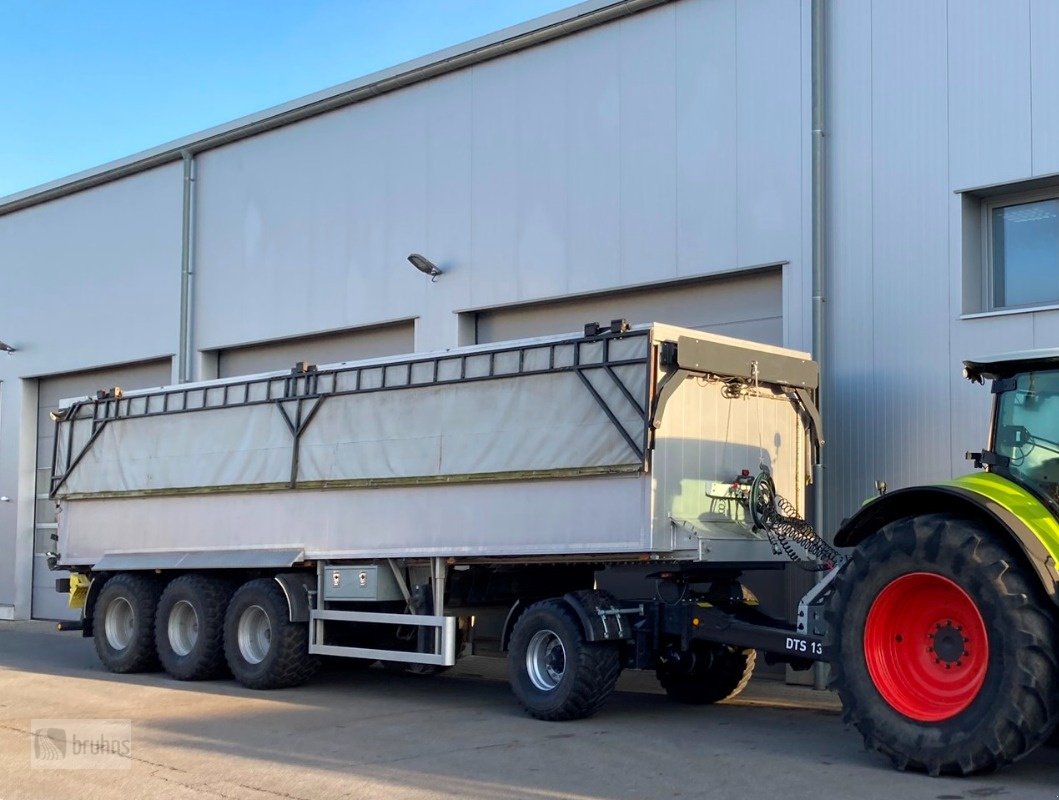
[[943, 636]]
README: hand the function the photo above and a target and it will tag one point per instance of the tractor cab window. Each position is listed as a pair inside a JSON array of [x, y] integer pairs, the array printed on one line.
[[1028, 431]]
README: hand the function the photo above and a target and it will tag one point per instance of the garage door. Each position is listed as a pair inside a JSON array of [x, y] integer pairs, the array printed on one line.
[[746, 306], [382, 340], [47, 603]]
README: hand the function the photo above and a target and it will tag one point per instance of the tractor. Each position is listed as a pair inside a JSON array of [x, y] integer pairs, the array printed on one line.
[[942, 632]]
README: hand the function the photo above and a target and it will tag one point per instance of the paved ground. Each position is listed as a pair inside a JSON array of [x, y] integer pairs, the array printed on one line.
[[369, 734]]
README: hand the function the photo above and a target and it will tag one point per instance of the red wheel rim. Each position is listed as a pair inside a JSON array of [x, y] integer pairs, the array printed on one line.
[[926, 647]]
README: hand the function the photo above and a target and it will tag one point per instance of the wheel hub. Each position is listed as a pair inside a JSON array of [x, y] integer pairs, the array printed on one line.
[[545, 660], [254, 634], [925, 646], [949, 644], [183, 628], [119, 623]]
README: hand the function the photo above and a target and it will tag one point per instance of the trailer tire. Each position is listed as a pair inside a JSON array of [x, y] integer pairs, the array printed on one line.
[[123, 623], [975, 698], [263, 648], [189, 627], [717, 673], [555, 674]]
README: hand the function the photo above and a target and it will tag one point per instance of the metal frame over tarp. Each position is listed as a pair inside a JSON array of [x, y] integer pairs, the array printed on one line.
[[541, 407]]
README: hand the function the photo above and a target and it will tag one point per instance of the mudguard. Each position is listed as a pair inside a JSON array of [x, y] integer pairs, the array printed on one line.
[[1013, 512]]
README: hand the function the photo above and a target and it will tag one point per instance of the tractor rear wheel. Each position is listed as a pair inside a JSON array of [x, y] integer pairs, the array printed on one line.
[[943, 647]]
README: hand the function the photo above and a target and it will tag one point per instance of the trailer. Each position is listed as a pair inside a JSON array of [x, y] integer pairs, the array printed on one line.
[[582, 504]]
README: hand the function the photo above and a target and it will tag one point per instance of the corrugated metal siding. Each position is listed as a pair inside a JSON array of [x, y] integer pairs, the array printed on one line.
[[989, 90], [910, 283], [1044, 93], [925, 99], [330, 348], [585, 164], [748, 307]]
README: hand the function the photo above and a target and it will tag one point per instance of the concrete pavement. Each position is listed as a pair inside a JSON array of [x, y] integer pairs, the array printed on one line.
[[370, 734]]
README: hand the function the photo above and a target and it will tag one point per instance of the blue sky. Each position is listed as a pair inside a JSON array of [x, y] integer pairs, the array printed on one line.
[[87, 82]]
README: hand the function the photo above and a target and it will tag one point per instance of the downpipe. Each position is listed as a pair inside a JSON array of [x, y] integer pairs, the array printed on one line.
[[819, 250], [187, 269]]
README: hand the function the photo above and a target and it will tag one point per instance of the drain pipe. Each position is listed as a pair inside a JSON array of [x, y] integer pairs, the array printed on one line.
[[819, 223], [187, 269]]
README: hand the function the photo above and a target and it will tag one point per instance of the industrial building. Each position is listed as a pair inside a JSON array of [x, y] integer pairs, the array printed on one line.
[[645, 159]]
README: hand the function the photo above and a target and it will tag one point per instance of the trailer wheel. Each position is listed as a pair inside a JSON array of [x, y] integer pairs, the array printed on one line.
[[943, 648], [710, 674], [555, 674], [123, 623], [263, 648], [189, 627]]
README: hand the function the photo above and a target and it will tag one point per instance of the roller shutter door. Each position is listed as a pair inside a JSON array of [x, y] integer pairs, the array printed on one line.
[[382, 340], [47, 603], [745, 306]]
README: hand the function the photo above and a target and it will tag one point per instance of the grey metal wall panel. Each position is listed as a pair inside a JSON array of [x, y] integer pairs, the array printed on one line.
[[768, 134], [648, 148], [930, 98], [707, 214], [989, 90], [81, 272], [1044, 75], [549, 172], [593, 221], [910, 249], [748, 306], [848, 393], [383, 340]]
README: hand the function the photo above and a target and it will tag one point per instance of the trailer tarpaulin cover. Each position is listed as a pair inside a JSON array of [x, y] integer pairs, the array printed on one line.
[[538, 409]]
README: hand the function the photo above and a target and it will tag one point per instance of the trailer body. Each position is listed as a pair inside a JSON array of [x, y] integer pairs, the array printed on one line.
[[590, 447]]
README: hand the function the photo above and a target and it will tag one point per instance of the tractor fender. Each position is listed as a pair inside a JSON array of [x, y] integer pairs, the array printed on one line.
[[957, 499]]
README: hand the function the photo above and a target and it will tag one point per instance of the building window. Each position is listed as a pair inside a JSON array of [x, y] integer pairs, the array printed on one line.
[[1021, 249]]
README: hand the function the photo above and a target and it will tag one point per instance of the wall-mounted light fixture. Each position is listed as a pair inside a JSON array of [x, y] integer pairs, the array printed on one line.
[[425, 265], [6, 348]]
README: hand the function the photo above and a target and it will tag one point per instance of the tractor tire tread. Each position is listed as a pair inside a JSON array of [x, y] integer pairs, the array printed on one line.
[[1027, 712]]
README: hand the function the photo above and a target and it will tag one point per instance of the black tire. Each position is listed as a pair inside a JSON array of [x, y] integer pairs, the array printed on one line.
[[580, 684], [277, 658], [1013, 704], [189, 627], [127, 603], [713, 673]]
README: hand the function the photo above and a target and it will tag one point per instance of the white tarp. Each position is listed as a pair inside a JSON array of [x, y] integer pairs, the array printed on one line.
[[528, 423]]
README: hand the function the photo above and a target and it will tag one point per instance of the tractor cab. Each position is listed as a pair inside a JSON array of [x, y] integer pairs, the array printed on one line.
[[1024, 434]]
